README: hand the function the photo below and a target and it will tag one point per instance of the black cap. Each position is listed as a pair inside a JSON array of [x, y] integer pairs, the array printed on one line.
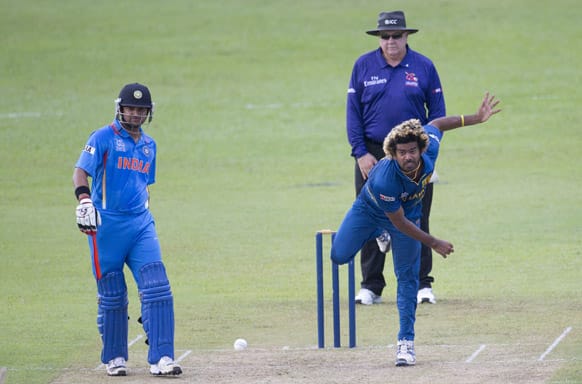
[[391, 21]]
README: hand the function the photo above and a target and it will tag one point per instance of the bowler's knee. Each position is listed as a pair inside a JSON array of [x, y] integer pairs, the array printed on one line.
[[340, 257]]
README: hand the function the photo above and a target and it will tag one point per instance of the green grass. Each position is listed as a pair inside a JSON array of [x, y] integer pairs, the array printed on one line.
[[253, 159]]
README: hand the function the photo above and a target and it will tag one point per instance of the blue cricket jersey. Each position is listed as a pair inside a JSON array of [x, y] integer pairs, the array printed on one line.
[[120, 168], [381, 96], [387, 188]]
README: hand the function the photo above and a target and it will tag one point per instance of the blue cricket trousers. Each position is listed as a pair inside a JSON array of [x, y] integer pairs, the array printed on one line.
[[124, 239], [360, 225]]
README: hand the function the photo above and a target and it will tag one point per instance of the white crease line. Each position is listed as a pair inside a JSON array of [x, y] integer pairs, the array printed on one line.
[[555, 343], [474, 355], [184, 355], [132, 342]]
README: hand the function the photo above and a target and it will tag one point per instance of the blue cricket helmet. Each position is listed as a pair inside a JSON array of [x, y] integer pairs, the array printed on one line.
[[135, 95]]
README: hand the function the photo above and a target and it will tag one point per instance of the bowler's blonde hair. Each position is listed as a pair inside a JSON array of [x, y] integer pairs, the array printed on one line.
[[406, 132]]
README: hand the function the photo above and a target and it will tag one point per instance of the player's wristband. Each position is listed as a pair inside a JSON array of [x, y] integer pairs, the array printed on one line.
[[81, 190]]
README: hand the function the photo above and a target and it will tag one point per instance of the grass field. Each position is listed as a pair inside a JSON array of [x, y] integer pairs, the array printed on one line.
[[253, 159]]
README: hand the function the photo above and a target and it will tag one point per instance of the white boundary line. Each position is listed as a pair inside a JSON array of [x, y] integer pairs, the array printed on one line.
[[132, 342], [18, 115], [477, 352], [298, 105], [555, 343]]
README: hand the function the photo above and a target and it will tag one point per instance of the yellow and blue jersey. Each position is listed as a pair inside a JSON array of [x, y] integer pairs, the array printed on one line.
[[387, 188]]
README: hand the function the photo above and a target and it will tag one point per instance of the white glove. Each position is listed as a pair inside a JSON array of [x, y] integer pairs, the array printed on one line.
[[88, 217]]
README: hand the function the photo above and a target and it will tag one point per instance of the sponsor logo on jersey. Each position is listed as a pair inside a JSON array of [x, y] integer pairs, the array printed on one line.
[[89, 149], [374, 80], [387, 198]]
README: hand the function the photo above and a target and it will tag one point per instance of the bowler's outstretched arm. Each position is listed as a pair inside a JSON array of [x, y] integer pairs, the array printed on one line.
[[485, 111]]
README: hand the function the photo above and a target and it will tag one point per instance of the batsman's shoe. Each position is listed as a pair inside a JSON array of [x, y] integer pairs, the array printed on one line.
[[383, 242], [405, 354], [165, 367], [116, 367], [425, 295], [367, 297]]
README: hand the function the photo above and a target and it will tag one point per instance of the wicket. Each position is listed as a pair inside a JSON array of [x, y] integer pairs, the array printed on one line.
[[335, 295]]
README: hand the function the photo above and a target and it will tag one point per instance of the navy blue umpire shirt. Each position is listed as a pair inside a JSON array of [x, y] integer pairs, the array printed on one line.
[[381, 96]]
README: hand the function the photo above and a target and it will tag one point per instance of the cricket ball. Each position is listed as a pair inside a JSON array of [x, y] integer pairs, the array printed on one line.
[[240, 344]]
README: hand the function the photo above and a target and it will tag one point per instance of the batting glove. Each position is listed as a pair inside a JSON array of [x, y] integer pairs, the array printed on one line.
[[88, 217]]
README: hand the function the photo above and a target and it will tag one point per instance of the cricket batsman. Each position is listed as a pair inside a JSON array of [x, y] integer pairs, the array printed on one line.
[[120, 160]]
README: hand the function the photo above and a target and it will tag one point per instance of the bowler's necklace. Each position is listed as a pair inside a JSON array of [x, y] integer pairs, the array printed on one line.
[[415, 172]]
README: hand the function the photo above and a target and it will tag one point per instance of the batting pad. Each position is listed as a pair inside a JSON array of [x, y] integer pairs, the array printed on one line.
[[157, 311], [112, 315]]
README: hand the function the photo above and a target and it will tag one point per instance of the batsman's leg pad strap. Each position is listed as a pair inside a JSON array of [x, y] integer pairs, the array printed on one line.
[[157, 311], [112, 315]]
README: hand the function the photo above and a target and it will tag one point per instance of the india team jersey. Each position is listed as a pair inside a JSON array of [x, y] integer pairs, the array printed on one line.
[[388, 189], [120, 168]]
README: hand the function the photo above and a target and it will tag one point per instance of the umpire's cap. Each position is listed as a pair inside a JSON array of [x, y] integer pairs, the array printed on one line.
[[391, 21], [135, 95]]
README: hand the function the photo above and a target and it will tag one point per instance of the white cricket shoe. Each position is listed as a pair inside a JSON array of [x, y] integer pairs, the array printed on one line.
[[425, 295], [383, 242], [405, 354], [367, 297], [116, 367], [165, 367]]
